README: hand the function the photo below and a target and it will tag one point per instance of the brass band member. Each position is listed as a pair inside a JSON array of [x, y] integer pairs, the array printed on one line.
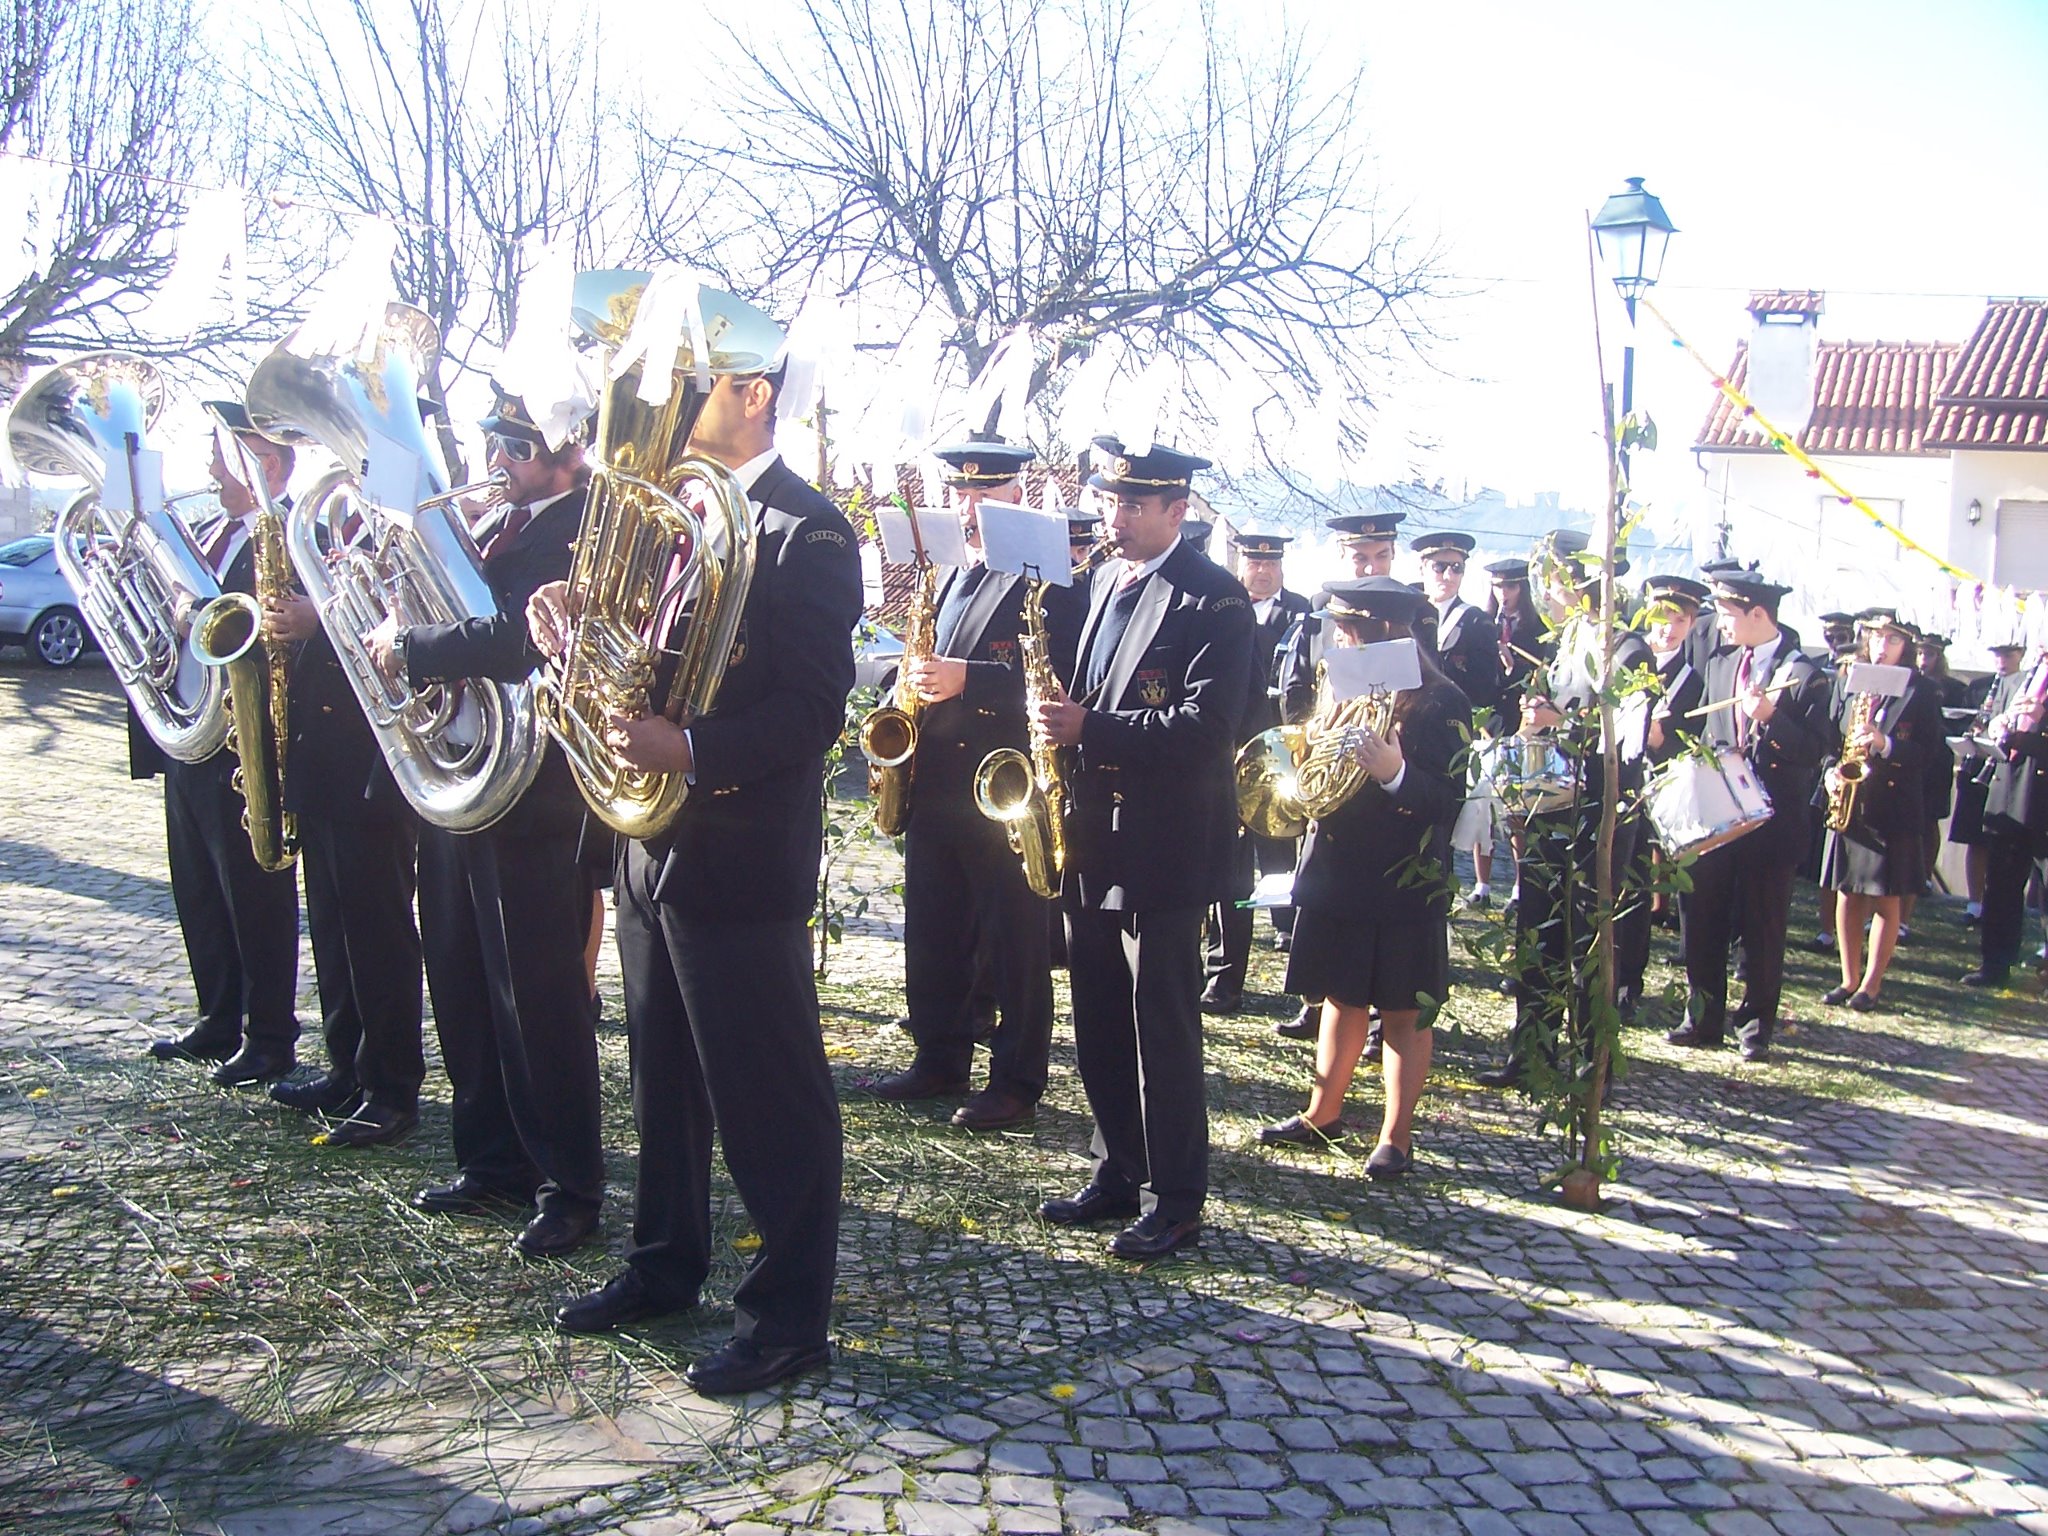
[[1467, 648], [359, 841], [1367, 539], [721, 1004], [1511, 604], [240, 921], [966, 906], [1989, 697], [1774, 711], [503, 911], [1672, 608], [2015, 823], [1880, 855], [1367, 935], [1227, 934], [1161, 677]]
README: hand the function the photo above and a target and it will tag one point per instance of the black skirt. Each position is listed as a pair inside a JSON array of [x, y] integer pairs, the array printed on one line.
[[1388, 966], [1864, 862]]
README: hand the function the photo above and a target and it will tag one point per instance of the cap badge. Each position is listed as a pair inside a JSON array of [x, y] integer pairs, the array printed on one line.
[[970, 468], [1122, 468]]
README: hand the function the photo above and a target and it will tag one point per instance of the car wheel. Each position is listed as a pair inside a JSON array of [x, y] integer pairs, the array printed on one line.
[[58, 638]]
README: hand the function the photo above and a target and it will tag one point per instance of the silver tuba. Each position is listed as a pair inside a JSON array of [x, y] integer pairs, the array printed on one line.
[[462, 753], [140, 579]]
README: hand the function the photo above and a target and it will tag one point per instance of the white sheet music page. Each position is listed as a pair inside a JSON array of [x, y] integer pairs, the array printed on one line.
[[1024, 541], [1393, 665], [1880, 681], [945, 542]]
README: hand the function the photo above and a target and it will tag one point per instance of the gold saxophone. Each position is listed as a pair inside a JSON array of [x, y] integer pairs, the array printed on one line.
[[228, 634], [888, 737], [1850, 770], [1293, 774], [1027, 794]]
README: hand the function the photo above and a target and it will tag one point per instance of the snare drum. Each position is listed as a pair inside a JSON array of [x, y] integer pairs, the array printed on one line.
[[1531, 776], [1696, 805]]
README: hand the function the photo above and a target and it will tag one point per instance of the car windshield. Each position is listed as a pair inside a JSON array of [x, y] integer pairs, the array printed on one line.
[[24, 551]]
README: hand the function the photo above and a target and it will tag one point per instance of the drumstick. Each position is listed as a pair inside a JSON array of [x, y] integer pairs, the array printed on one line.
[[1708, 709]]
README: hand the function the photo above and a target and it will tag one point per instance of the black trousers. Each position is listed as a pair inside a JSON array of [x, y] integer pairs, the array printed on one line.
[[503, 919], [970, 922], [241, 922], [1746, 887], [1556, 920], [1632, 927], [366, 950], [723, 1024], [1227, 928], [2008, 862], [1138, 1038]]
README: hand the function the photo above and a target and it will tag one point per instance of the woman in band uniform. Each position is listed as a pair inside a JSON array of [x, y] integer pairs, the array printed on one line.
[[1373, 891]]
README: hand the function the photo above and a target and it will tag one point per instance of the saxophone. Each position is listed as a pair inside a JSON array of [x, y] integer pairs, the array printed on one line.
[[228, 635], [888, 737], [1294, 774], [1846, 777]]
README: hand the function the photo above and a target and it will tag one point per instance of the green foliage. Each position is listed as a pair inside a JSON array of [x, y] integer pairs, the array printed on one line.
[[849, 826]]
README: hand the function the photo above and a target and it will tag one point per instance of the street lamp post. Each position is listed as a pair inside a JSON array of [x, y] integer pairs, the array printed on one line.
[[1633, 231]]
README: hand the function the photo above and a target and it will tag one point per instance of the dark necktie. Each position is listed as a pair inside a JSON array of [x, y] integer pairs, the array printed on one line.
[[1109, 634], [1743, 725], [223, 541], [508, 530], [953, 611]]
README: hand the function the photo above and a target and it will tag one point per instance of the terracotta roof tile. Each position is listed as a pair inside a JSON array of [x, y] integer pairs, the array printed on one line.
[[1997, 394], [1870, 397], [1787, 301]]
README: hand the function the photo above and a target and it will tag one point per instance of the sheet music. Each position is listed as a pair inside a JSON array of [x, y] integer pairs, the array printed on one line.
[[1025, 542], [1879, 681], [1388, 664], [395, 478], [945, 541], [117, 493]]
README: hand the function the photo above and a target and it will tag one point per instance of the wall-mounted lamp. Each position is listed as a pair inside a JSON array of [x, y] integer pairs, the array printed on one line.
[[1976, 511]]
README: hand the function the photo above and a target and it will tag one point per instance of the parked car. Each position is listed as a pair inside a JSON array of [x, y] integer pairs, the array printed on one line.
[[876, 655], [37, 606]]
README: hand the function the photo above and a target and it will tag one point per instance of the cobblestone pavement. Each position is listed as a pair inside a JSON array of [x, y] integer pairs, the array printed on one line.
[[1817, 1300]]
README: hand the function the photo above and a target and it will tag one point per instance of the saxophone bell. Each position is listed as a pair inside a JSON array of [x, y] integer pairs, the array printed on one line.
[[888, 736]]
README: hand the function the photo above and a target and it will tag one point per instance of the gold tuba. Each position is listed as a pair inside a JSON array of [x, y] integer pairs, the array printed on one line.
[[645, 551], [1294, 774], [137, 578], [888, 736], [462, 753], [1845, 779], [1027, 794]]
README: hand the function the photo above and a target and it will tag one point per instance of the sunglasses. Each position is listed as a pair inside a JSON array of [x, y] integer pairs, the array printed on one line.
[[1448, 567], [514, 450]]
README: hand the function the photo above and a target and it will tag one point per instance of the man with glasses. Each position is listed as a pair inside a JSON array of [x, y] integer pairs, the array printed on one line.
[[504, 911]]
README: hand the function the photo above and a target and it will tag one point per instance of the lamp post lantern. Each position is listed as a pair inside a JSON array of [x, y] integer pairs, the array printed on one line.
[[1633, 231]]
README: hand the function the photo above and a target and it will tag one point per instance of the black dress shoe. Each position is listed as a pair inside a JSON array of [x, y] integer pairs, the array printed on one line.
[[465, 1197], [1300, 1131], [741, 1365], [1988, 976], [200, 1043], [1284, 942], [324, 1093], [555, 1232], [624, 1299], [1154, 1236], [1389, 1162], [1092, 1204], [1834, 997], [1694, 1038], [1305, 1025], [1863, 1002], [916, 1083], [255, 1064], [994, 1109], [1507, 1075], [1220, 999], [374, 1125]]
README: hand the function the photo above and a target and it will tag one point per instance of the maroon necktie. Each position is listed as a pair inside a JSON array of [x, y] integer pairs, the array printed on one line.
[[508, 530], [223, 541], [1743, 722]]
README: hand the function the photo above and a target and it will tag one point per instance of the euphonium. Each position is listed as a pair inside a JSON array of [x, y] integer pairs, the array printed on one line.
[[1027, 794], [227, 637], [462, 753], [1846, 777], [888, 736], [645, 553], [1293, 774], [138, 578]]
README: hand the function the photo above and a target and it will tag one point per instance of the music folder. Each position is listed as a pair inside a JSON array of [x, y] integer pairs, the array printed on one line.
[[1386, 666], [1023, 541]]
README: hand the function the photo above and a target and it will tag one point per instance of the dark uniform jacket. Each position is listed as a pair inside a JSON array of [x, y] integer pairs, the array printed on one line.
[[747, 843], [1361, 861], [955, 734], [1262, 705], [1154, 812], [500, 648], [1576, 693], [1893, 797], [1787, 751], [1523, 646], [1681, 687], [1468, 650], [2016, 799]]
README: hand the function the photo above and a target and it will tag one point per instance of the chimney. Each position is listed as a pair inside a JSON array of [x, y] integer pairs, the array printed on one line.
[[1783, 342]]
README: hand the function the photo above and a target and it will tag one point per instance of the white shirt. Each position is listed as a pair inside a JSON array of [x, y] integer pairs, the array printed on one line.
[[1130, 571], [1263, 608]]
